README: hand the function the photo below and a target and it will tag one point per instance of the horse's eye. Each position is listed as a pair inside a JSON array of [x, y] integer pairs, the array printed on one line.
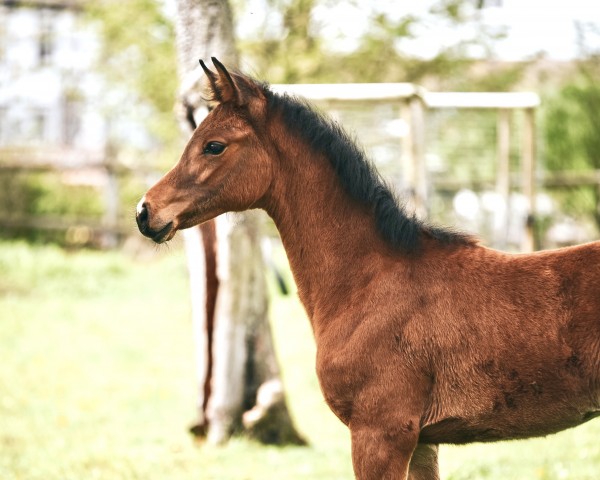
[[214, 148]]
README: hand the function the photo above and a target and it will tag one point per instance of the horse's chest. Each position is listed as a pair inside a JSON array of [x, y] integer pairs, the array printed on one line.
[[340, 377]]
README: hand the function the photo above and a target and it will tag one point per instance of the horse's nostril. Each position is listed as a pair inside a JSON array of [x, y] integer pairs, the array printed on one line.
[[142, 216], [143, 213]]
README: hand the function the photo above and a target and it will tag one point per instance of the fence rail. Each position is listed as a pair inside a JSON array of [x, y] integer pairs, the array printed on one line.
[[87, 169], [415, 107], [415, 102]]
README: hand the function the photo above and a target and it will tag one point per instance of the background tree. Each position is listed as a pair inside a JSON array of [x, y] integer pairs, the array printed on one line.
[[572, 126], [242, 385], [239, 384], [381, 53]]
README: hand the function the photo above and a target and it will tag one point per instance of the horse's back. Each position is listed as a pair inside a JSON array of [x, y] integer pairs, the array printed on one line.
[[507, 334]]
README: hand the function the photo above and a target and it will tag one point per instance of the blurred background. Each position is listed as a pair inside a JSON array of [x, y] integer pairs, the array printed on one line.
[[97, 378], [87, 92]]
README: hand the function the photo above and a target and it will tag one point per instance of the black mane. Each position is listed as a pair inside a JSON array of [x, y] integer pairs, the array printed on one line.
[[358, 174]]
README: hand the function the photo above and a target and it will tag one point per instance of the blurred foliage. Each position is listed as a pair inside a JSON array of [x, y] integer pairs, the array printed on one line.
[[289, 46], [571, 132], [572, 126], [379, 55], [138, 60], [46, 195], [41, 194]]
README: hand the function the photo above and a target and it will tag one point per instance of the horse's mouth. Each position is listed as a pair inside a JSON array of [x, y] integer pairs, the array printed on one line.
[[159, 236], [164, 234]]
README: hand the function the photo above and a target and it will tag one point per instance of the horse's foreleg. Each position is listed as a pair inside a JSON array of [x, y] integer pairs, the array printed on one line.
[[379, 455], [424, 463]]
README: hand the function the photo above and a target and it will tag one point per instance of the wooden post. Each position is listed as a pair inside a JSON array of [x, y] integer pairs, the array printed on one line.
[[503, 173], [238, 357], [528, 175], [407, 155], [111, 213], [415, 155]]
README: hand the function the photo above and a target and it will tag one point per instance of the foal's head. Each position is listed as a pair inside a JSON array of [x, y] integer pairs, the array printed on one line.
[[225, 167]]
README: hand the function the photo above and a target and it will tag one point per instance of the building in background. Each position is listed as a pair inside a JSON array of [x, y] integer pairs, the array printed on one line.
[[47, 80], [58, 171]]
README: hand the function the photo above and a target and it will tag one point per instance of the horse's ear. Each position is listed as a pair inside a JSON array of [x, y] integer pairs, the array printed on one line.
[[228, 88], [212, 78]]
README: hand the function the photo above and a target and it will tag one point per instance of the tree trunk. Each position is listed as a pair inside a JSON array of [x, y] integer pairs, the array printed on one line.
[[239, 381]]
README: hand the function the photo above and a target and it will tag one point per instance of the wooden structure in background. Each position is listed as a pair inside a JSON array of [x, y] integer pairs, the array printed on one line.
[[415, 102], [504, 103], [83, 168]]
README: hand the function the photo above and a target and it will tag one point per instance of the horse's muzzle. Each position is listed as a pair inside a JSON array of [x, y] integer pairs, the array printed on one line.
[[142, 217]]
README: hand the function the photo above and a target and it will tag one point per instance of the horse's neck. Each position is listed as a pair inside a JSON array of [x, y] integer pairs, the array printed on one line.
[[328, 237]]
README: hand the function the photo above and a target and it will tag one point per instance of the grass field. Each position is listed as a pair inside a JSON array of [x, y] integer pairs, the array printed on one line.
[[97, 382]]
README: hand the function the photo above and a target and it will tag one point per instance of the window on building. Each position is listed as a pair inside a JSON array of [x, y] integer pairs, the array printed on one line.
[[46, 36]]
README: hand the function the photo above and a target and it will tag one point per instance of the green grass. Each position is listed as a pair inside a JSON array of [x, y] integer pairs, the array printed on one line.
[[97, 381]]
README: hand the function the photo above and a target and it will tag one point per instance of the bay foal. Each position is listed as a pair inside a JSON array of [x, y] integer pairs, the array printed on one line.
[[423, 335]]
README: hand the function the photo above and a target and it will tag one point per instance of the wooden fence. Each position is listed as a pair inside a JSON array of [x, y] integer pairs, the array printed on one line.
[[415, 104], [82, 168]]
